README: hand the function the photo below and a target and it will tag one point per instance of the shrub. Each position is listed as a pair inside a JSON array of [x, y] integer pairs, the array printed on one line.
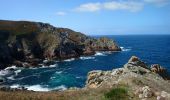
[[120, 93]]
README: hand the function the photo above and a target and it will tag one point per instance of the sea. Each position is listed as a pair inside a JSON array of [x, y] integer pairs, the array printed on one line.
[[152, 49]]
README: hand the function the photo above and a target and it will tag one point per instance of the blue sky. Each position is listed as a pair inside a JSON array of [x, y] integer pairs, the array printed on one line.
[[94, 17]]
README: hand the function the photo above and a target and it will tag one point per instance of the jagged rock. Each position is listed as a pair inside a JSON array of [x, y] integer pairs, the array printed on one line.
[[136, 65], [29, 42], [136, 76], [157, 68], [94, 79]]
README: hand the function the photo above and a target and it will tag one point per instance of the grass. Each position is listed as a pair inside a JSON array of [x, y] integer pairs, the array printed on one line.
[[119, 93]]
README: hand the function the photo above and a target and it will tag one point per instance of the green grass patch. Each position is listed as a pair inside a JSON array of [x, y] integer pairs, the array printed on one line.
[[119, 93]]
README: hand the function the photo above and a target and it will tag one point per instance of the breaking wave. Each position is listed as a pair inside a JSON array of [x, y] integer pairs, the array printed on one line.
[[39, 88], [125, 49], [69, 60], [85, 58]]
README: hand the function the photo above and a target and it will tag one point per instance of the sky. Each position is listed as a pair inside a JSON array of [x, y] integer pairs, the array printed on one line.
[[94, 17]]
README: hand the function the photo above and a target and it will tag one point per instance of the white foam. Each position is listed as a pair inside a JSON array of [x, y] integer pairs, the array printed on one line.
[[55, 65], [125, 49], [100, 54], [62, 87], [6, 72], [69, 60], [11, 77], [37, 88], [85, 58], [17, 71], [3, 72], [15, 86], [58, 72], [12, 67]]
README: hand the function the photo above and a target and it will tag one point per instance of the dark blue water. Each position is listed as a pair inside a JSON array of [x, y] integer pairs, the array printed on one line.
[[151, 49]]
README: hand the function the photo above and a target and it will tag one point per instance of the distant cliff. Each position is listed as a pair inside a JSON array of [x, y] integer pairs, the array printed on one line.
[[24, 43]]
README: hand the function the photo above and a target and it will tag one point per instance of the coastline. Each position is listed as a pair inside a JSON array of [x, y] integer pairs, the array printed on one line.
[[134, 75]]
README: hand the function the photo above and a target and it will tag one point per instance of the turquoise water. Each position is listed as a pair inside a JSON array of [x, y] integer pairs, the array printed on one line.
[[73, 72]]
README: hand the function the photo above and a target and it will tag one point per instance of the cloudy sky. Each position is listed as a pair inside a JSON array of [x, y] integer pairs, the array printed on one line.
[[94, 17]]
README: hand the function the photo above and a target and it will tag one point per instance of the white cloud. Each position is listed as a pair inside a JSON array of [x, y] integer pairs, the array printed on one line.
[[61, 13], [89, 7], [128, 5], [157, 2], [113, 5]]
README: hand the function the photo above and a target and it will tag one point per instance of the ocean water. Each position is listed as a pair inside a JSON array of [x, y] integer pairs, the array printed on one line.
[[72, 72]]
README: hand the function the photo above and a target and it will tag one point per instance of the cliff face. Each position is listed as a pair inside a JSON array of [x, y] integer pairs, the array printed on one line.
[[31, 42]]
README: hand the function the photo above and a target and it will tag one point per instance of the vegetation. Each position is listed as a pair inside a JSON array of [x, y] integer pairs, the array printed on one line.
[[120, 93]]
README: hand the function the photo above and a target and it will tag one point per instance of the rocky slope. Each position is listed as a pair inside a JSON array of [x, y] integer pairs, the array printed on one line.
[[146, 83], [24, 43]]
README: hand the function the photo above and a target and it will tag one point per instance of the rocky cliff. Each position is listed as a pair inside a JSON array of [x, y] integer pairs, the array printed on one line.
[[24, 43], [143, 82]]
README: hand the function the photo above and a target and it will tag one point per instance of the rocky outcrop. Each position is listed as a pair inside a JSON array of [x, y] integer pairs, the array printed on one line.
[[143, 81], [24, 43]]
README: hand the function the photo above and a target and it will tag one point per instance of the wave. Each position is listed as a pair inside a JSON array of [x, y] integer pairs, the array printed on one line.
[[85, 58], [58, 72], [125, 49], [100, 54], [39, 88], [12, 67], [69, 60], [13, 70], [55, 65]]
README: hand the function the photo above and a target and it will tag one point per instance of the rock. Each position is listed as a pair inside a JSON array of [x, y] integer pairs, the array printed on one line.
[[165, 94], [135, 70], [147, 93], [144, 92], [136, 65], [158, 69], [117, 71], [28, 42], [2, 80], [141, 96], [94, 79], [160, 98]]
